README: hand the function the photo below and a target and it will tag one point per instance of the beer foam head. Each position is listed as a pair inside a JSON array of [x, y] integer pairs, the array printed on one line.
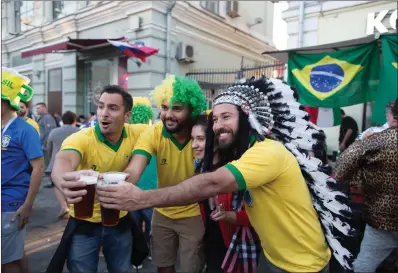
[[89, 180], [115, 178]]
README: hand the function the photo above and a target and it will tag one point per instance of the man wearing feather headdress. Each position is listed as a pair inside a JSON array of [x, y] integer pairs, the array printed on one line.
[[268, 176]]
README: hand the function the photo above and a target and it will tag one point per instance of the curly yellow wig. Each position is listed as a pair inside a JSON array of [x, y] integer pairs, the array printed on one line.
[[180, 89]]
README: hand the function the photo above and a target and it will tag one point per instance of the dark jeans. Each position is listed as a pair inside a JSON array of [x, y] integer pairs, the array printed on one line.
[[265, 266], [146, 216]]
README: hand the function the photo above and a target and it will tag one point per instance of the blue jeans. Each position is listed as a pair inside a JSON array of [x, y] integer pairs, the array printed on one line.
[[146, 215], [83, 253]]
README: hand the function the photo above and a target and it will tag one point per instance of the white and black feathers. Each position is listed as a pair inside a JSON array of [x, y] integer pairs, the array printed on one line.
[[274, 111]]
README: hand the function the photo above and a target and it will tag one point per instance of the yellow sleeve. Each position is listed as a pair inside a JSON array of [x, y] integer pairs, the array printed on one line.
[[34, 124], [137, 129], [76, 142], [146, 143], [259, 165]]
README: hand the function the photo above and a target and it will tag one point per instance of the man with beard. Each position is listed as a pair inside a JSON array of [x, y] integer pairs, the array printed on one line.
[[173, 228], [23, 113], [106, 147]]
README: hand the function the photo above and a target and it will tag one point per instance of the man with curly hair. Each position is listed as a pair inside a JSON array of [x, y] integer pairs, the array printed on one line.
[[180, 100]]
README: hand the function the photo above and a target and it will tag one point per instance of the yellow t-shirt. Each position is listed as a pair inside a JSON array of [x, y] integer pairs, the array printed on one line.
[[175, 163], [34, 124], [281, 210], [98, 154]]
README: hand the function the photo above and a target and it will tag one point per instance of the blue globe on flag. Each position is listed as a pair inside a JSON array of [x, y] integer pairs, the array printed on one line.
[[325, 78]]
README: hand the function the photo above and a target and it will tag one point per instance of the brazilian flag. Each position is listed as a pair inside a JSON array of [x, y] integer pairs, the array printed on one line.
[[338, 78], [388, 86]]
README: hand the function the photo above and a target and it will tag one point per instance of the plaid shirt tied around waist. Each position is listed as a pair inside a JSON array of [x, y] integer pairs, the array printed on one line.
[[243, 252]]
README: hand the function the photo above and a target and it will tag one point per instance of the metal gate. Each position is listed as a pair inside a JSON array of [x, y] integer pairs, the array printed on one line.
[[213, 81]]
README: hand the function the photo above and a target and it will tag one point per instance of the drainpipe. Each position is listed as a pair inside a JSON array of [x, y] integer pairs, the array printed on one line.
[[301, 24], [168, 36]]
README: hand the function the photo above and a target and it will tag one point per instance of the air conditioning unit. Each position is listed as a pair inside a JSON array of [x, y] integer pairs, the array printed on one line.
[[233, 9], [185, 53]]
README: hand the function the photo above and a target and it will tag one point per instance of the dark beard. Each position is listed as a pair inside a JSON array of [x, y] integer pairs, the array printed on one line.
[[176, 130], [227, 145]]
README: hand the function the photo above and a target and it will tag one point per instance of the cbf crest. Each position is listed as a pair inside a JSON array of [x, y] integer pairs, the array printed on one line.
[[5, 141]]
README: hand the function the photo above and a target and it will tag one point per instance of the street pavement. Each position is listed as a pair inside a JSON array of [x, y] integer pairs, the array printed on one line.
[[44, 232]]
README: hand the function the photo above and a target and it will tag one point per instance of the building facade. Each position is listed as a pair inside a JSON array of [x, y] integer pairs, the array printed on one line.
[[202, 34], [311, 23]]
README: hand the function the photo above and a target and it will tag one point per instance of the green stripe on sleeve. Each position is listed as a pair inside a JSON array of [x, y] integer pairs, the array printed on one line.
[[77, 151], [238, 176], [144, 153]]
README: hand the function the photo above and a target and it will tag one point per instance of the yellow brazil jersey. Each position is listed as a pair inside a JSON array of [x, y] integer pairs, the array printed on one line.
[[175, 163], [98, 154], [34, 124], [281, 209]]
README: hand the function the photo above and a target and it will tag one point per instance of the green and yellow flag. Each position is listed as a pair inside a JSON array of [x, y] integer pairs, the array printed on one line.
[[388, 86], [336, 79]]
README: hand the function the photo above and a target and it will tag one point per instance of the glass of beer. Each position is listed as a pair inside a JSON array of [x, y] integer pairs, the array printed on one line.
[[110, 217], [85, 208]]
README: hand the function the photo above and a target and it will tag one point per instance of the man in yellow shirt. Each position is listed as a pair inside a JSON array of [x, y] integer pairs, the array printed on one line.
[[23, 113], [173, 228], [103, 148], [267, 176]]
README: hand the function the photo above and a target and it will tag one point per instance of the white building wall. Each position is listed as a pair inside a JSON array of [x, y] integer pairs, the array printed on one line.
[[329, 22], [219, 41]]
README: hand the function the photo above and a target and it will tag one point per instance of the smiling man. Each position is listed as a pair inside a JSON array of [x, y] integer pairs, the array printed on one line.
[[180, 100], [173, 228], [105, 147]]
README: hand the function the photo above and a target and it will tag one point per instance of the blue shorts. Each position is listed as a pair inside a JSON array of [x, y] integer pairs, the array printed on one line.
[[12, 239]]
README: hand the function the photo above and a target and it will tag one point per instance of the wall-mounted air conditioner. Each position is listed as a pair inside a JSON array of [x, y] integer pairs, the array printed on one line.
[[232, 9], [185, 53]]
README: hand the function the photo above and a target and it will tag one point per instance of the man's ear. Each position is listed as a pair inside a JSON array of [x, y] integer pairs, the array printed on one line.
[[127, 116]]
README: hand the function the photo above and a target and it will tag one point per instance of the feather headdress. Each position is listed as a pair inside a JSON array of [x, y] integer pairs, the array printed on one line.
[[273, 110]]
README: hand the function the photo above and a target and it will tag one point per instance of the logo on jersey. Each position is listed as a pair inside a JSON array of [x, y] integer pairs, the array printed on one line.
[[163, 162], [5, 141]]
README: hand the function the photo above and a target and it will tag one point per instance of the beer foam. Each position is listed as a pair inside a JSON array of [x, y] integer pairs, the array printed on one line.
[[114, 178], [114, 183], [90, 180]]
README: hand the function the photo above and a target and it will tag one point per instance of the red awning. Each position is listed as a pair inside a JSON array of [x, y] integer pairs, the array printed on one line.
[[69, 44]]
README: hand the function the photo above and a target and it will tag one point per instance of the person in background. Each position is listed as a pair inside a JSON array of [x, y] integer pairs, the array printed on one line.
[[81, 120], [142, 113], [58, 118], [46, 123], [23, 113], [22, 168], [376, 157], [221, 221], [348, 131], [92, 117], [54, 143]]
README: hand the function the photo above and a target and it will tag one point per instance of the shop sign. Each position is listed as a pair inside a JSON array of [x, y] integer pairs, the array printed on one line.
[[378, 22]]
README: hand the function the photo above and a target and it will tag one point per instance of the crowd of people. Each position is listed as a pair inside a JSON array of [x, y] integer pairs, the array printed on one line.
[[240, 188]]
